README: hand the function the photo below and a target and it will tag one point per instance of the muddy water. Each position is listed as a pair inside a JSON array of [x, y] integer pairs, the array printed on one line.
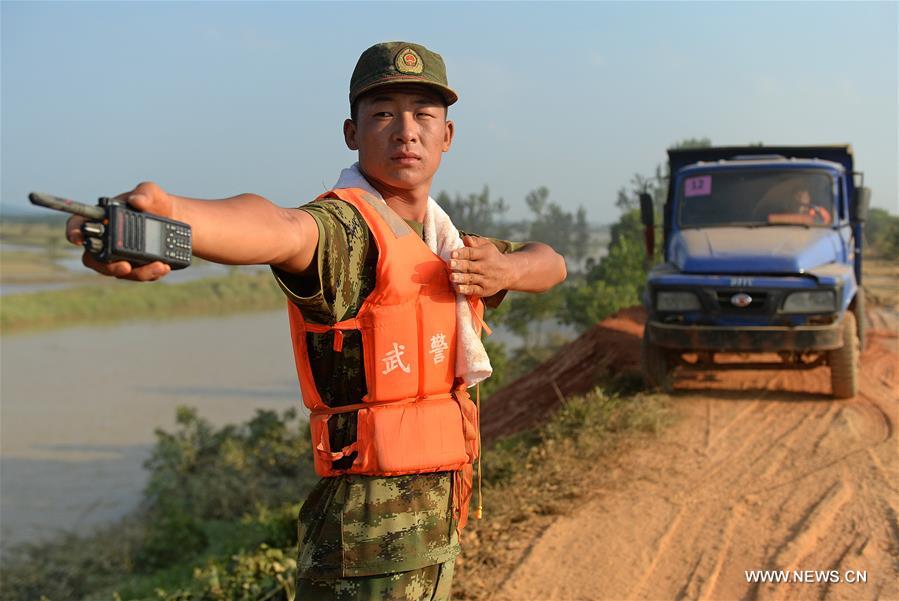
[[79, 407]]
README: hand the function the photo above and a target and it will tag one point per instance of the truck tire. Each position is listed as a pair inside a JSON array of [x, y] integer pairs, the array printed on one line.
[[656, 365], [861, 323], [844, 361]]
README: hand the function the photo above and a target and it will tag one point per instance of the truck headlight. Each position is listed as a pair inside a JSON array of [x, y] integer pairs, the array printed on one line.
[[677, 301], [816, 301]]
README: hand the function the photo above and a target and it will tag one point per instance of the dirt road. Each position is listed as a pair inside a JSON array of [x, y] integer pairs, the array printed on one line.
[[763, 472]]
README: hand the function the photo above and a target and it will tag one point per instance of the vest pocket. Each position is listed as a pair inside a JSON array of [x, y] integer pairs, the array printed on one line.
[[393, 355], [422, 436], [438, 338]]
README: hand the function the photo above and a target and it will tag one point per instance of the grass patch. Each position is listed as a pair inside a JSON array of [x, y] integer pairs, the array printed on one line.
[[34, 231], [21, 266], [130, 300]]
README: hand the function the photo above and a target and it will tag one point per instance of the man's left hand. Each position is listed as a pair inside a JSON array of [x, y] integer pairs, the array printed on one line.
[[479, 268]]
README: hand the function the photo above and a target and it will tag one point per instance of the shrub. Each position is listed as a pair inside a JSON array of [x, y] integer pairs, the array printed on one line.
[[198, 474]]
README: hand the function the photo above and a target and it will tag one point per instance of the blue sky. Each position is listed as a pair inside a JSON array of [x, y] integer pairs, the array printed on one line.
[[212, 99]]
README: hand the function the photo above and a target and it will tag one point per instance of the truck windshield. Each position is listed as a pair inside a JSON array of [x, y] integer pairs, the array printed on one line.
[[744, 197]]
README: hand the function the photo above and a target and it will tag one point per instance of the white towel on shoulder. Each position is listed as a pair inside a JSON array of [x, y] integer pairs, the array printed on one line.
[[442, 237]]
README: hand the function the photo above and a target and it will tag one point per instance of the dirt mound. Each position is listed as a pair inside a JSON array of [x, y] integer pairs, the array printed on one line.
[[611, 346]]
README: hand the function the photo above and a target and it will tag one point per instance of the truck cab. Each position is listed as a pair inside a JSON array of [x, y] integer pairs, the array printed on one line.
[[762, 255]]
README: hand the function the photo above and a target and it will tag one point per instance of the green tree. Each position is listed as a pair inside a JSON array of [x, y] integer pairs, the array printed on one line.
[[656, 185], [882, 233], [615, 282], [476, 213], [499, 361], [568, 233], [198, 473], [533, 317], [528, 315], [581, 235], [688, 143]]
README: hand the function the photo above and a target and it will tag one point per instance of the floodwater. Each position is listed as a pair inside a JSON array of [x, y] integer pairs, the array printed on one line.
[[80, 405], [78, 408]]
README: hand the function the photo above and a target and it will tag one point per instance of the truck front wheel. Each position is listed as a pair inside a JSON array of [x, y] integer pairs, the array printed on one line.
[[844, 361], [656, 365]]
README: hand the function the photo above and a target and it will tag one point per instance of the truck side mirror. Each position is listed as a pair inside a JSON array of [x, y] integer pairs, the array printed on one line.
[[858, 209], [647, 214]]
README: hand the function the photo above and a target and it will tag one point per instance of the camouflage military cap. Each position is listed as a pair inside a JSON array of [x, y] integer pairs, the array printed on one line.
[[391, 63]]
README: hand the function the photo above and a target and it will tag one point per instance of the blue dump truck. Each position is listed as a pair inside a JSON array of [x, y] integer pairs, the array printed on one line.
[[762, 255]]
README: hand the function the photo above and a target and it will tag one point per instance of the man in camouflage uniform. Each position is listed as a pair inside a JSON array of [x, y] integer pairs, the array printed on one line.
[[390, 535], [360, 537]]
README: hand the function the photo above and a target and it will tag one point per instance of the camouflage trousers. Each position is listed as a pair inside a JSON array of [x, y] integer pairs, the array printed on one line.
[[431, 583]]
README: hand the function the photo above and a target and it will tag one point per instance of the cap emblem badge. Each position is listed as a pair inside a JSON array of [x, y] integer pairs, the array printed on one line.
[[741, 300], [408, 61]]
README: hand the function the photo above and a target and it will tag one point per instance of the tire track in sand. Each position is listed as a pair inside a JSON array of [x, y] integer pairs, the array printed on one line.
[[812, 525], [662, 545]]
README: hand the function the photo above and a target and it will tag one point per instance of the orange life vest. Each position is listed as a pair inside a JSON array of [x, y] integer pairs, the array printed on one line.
[[416, 417]]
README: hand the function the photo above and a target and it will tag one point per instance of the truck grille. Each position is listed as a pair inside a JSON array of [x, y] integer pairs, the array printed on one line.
[[757, 305]]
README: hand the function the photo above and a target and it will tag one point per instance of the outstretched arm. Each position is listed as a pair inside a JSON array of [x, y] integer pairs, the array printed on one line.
[[242, 230], [480, 269]]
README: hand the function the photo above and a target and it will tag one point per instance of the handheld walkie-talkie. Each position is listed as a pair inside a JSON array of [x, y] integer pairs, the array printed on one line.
[[116, 232]]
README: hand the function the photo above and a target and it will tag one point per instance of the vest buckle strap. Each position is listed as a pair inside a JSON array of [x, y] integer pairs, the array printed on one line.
[[370, 404], [476, 316], [323, 448], [338, 329]]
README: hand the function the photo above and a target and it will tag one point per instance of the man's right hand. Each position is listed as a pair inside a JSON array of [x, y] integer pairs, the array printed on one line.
[[147, 197]]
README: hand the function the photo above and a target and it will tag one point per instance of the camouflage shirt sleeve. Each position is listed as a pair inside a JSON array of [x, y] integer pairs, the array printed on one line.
[[332, 290]]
